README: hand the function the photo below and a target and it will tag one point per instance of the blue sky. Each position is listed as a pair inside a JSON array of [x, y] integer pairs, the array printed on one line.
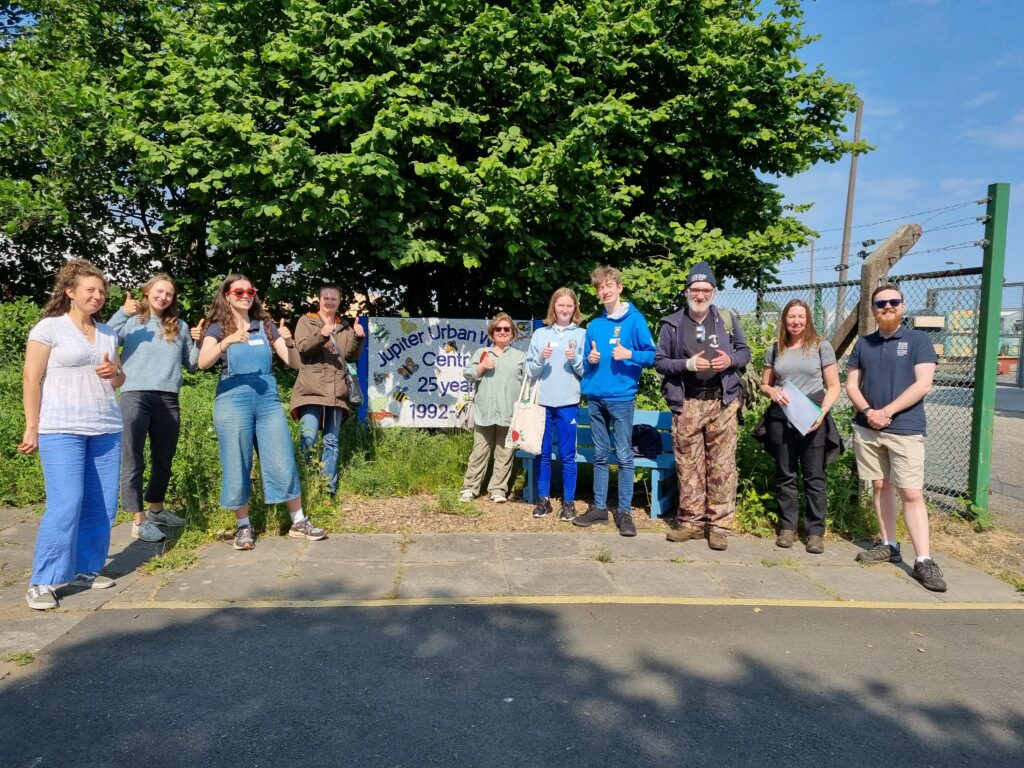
[[943, 87]]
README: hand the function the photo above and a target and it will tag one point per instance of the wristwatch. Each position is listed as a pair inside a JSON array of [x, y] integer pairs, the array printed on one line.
[[865, 410]]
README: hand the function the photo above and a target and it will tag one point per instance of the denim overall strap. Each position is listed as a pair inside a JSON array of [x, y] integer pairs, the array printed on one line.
[[251, 358]]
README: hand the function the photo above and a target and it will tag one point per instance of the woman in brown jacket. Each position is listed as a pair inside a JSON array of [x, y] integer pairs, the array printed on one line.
[[320, 399]]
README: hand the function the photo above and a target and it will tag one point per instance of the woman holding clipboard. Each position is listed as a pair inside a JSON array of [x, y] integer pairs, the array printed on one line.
[[799, 358]]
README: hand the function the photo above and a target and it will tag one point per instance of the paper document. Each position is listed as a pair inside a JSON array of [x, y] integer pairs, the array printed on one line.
[[801, 411]]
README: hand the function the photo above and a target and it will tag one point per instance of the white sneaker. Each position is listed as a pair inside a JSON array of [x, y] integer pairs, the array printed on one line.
[[466, 496], [147, 532], [165, 517], [41, 597], [497, 498], [92, 581]]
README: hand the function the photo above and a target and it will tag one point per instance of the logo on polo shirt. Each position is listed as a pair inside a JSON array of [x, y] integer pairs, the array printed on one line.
[[902, 348]]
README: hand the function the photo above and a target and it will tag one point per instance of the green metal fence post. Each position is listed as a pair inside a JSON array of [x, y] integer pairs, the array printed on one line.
[[986, 365]]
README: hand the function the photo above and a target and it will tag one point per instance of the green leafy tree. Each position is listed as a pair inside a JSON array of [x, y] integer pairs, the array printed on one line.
[[461, 156]]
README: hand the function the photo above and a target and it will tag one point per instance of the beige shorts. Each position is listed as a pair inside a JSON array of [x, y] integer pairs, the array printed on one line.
[[883, 456]]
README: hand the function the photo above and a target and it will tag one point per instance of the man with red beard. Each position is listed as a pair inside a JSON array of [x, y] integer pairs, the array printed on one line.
[[889, 373]]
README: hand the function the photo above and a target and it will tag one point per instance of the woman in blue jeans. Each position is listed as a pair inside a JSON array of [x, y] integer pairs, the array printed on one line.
[[320, 397], [157, 343], [241, 338], [73, 420]]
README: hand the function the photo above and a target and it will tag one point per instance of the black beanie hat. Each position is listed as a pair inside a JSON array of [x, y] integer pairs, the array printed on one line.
[[701, 273]]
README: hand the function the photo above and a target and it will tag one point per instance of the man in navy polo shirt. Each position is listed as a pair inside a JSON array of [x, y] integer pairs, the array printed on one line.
[[889, 373]]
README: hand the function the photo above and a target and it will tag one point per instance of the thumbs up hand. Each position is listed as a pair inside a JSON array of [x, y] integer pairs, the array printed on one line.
[[546, 352], [130, 306], [620, 352], [594, 357], [357, 329], [487, 361], [286, 334], [570, 353], [107, 369], [197, 332]]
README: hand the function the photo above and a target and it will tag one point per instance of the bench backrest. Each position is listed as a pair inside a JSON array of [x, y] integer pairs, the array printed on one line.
[[660, 420]]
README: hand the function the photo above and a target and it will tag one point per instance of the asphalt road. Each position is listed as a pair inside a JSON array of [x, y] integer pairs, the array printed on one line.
[[544, 685]]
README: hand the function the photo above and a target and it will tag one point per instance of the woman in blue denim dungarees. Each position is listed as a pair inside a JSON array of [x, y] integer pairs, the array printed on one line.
[[242, 337]]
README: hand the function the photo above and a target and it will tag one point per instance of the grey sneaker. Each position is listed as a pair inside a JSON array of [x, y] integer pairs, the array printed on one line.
[[304, 529], [92, 581], [568, 511], [624, 522], [930, 575], [245, 538], [147, 531], [543, 507], [593, 516], [880, 553], [41, 597], [498, 498], [466, 496], [165, 517]]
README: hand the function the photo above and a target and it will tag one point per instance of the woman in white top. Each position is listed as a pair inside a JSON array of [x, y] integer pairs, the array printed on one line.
[[72, 418]]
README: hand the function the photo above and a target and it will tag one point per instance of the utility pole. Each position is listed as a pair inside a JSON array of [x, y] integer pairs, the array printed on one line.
[[844, 255]]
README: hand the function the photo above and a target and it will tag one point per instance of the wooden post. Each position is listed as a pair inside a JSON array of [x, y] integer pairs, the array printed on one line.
[[876, 266]]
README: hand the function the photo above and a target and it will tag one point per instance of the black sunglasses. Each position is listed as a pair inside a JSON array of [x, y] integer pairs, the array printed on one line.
[[883, 303]]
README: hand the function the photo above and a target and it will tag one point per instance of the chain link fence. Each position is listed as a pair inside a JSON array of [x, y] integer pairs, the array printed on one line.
[[946, 306]]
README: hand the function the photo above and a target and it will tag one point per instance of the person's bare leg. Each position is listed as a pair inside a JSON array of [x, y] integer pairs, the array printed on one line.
[[886, 508], [915, 513]]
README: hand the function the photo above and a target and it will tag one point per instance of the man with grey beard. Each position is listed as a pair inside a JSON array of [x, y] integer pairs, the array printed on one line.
[[889, 373]]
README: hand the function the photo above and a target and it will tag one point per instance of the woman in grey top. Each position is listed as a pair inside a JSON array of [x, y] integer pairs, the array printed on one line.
[[497, 372], [808, 362]]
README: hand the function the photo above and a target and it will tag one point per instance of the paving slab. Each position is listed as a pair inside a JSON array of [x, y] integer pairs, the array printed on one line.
[[28, 630], [664, 579], [861, 582], [643, 546], [967, 585], [353, 547], [758, 581], [452, 547], [543, 546], [252, 581], [314, 579], [561, 577], [458, 579]]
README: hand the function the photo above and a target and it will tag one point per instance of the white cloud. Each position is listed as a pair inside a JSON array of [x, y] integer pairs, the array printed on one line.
[[960, 185], [1008, 136], [893, 189], [981, 99]]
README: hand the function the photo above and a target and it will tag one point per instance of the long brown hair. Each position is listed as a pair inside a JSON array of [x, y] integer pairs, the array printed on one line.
[[559, 293], [68, 278], [169, 319], [221, 314], [810, 340]]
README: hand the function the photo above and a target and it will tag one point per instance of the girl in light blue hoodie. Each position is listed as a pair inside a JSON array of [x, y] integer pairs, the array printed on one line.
[[556, 357]]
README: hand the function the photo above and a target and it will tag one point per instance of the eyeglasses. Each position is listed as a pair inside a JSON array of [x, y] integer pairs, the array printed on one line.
[[883, 303], [701, 291], [238, 293], [503, 329]]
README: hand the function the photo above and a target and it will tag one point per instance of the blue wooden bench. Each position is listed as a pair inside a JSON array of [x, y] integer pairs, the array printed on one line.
[[664, 488]]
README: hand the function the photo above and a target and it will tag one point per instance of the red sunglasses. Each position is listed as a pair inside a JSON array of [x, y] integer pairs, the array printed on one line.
[[240, 292]]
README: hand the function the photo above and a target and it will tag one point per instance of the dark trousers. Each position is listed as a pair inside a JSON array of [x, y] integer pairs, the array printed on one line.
[[793, 451], [155, 415]]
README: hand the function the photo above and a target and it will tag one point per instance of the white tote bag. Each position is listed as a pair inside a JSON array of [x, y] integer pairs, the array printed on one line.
[[527, 429]]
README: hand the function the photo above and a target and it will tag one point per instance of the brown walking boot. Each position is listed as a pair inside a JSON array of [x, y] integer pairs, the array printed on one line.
[[685, 533], [717, 540]]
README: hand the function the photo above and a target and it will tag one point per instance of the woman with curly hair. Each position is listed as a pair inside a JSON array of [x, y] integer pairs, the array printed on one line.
[[72, 418], [157, 343], [241, 338]]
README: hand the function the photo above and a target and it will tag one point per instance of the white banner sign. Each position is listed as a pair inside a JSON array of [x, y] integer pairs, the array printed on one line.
[[415, 368]]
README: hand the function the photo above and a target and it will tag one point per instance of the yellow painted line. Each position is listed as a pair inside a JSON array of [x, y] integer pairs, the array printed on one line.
[[177, 605]]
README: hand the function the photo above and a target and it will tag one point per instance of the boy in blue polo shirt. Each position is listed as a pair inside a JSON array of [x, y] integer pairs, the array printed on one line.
[[890, 372], [618, 346]]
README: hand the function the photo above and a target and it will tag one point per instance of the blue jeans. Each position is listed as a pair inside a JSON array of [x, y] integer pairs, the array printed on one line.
[[81, 474], [614, 417], [563, 421], [246, 410], [309, 423]]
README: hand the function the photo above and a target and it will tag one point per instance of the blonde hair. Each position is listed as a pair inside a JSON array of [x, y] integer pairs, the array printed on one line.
[[558, 294], [68, 278], [169, 319], [497, 319], [603, 274], [809, 339]]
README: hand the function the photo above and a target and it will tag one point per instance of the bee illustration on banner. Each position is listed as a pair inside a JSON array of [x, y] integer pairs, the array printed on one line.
[[450, 347], [400, 394], [380, 333], [408, 368]]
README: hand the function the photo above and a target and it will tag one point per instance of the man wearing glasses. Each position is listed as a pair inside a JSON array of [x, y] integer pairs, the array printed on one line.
[[699, 359], [889, 373]]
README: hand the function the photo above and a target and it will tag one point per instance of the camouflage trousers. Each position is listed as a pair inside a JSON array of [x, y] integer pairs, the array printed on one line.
[[704, 441]]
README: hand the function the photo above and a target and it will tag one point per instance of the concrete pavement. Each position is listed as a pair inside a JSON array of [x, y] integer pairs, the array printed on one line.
[[575, 566]]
